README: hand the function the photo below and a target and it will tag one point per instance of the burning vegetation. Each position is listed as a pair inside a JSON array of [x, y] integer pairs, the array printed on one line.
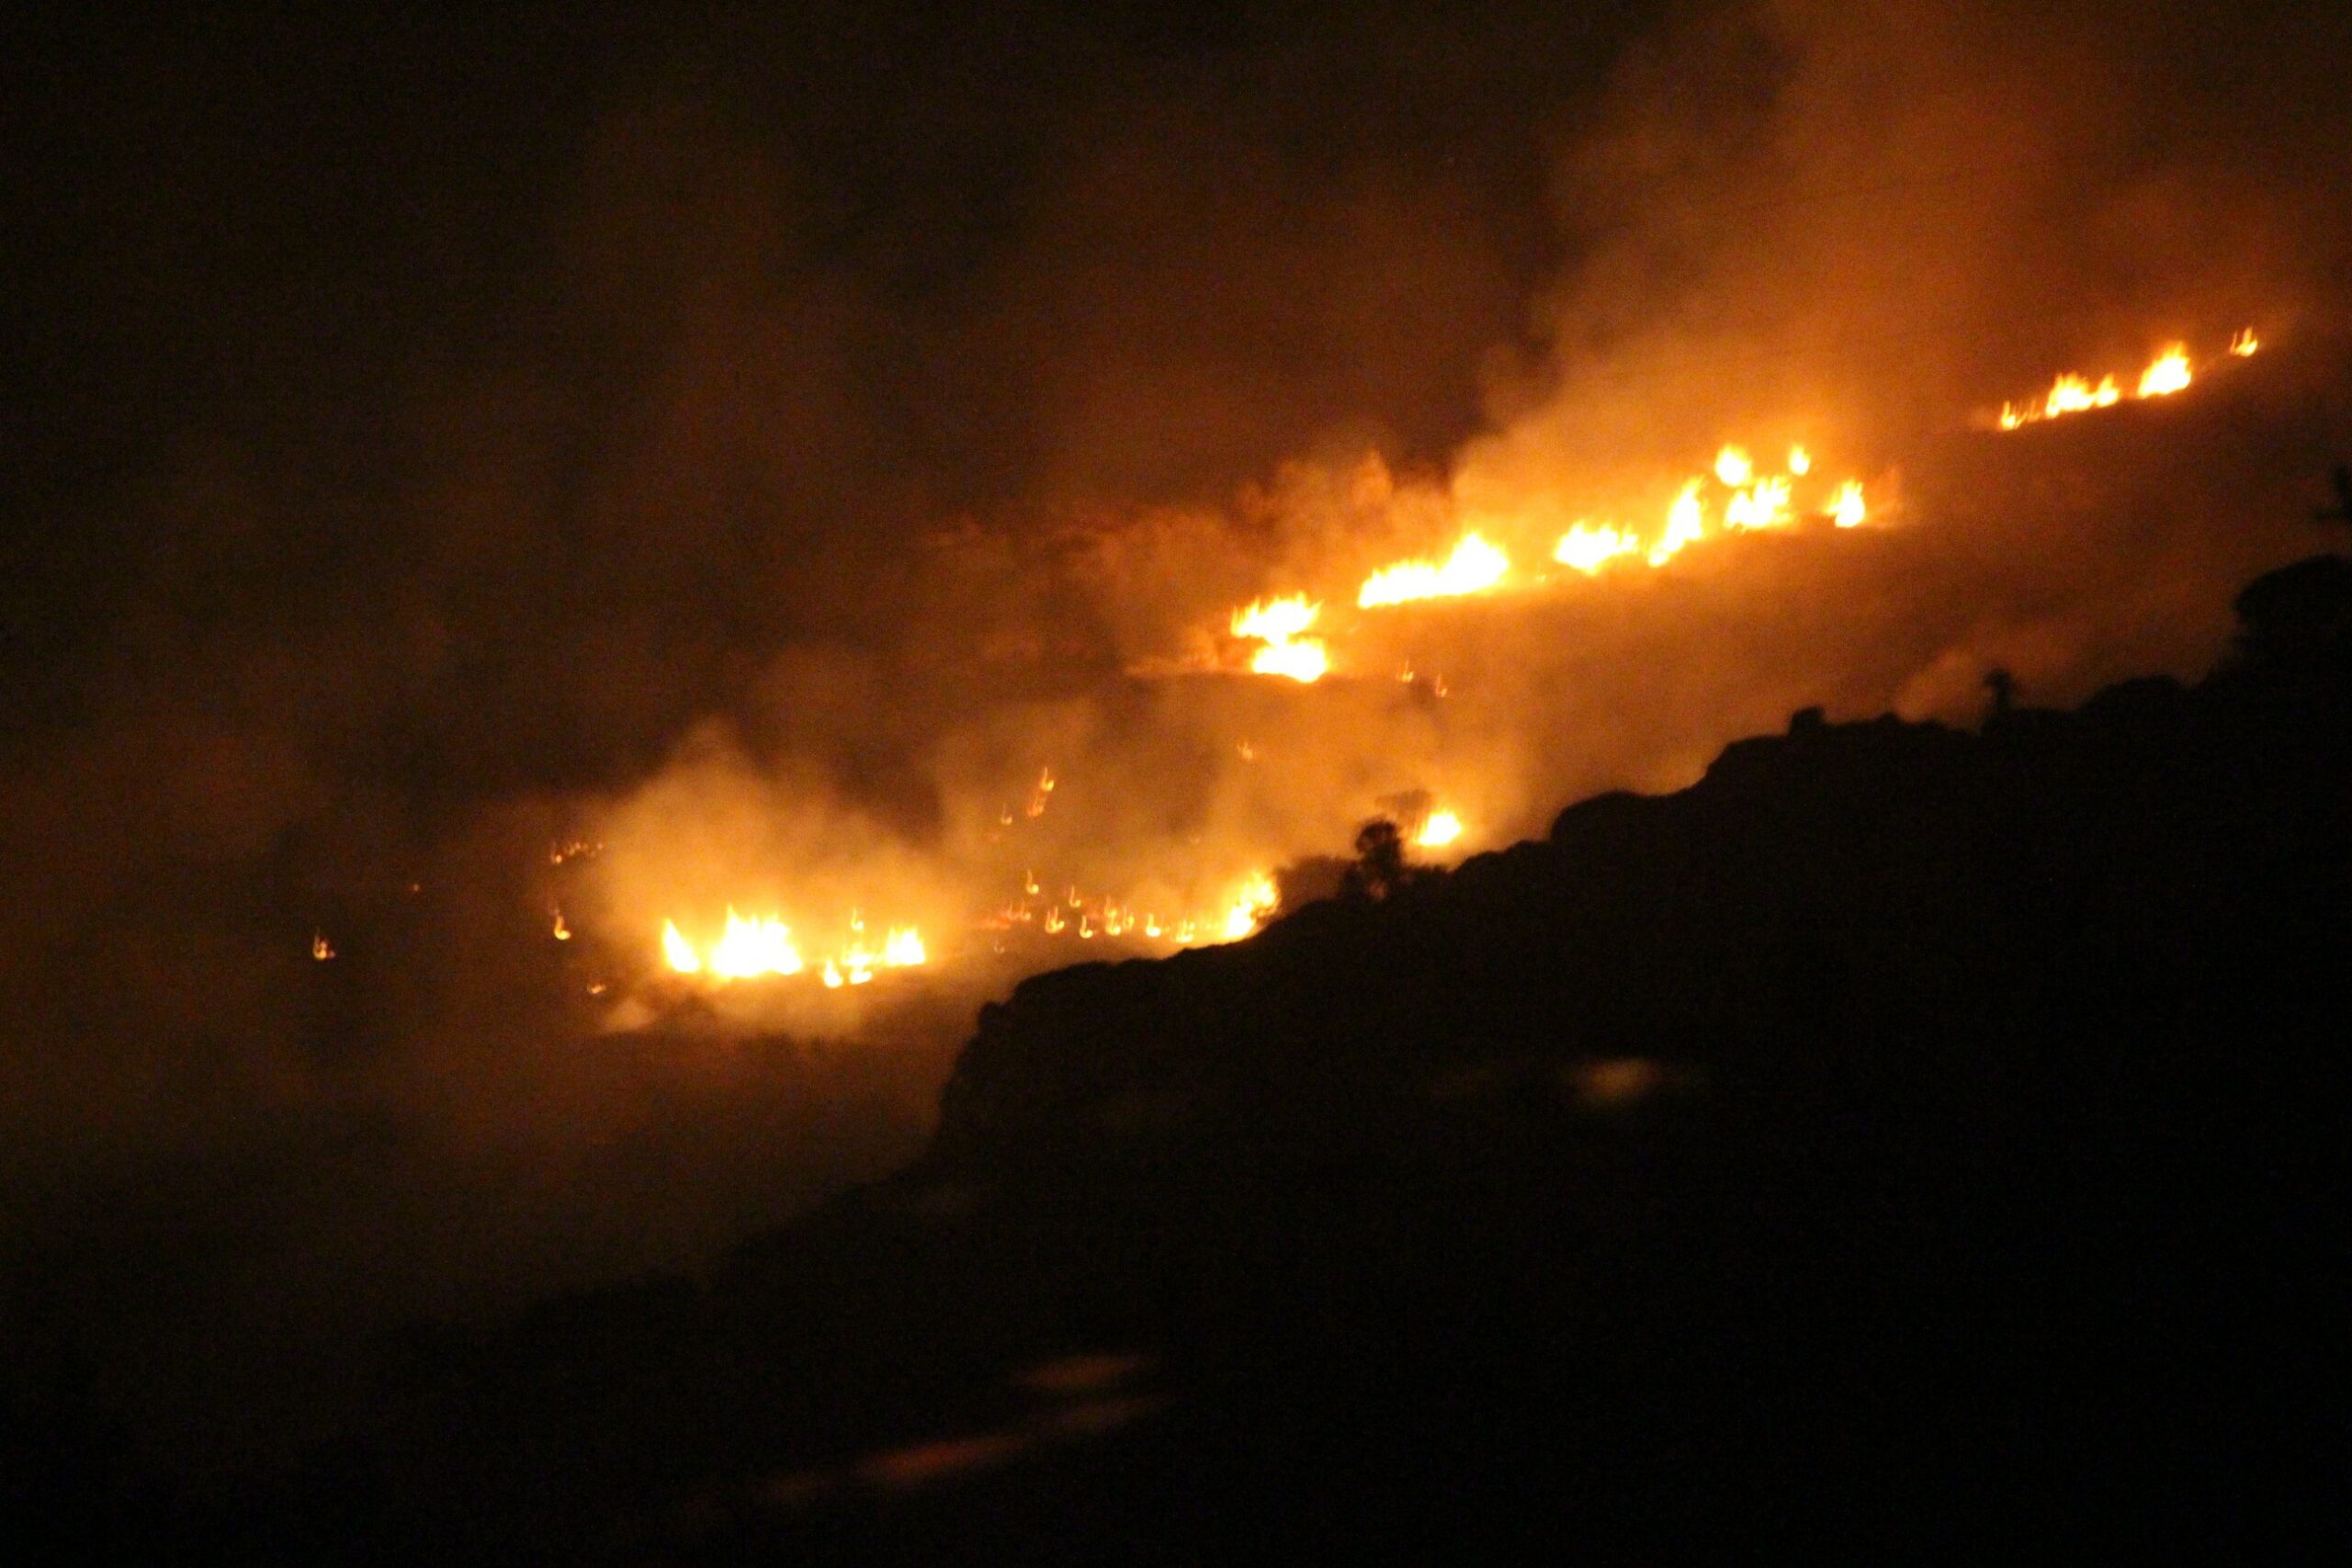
[[2170, 371], [1160, 892]]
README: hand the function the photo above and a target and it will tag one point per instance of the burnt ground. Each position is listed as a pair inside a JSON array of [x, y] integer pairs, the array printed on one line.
[[1906, 1136]]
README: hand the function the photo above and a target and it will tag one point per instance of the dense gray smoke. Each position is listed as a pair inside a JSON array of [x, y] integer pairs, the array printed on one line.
[[762, 448]]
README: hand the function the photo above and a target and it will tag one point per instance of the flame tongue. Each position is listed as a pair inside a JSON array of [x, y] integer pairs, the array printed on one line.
[[1475, 566]]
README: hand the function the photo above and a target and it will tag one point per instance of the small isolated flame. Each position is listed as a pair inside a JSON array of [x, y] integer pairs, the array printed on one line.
[[1475, 566], [2244, 344], [1848, 510], [321, 948], [1589, 548], [2169, 374], [1800, 461], [562, 932], [1037, 806], [1733, 467], [1439, 829], [1685, 521], [1277, 624]]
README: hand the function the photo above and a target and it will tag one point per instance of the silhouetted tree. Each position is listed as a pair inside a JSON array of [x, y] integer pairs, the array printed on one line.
[[2298, 610], [1380, 861], [2342, 480], [2003, 687]]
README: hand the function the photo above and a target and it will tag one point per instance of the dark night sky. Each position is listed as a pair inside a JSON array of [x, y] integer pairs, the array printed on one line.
[[279, 251]]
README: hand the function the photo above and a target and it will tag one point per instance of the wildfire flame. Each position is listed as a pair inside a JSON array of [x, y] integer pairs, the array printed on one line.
[[1439, 829], [2169, 374], [2171, 371], [1252, 904], [763, 947], [1475, 566], [1277, 624], [1732, 494], [1037, 797], [321, 948], [1686, 520], [1764, 506], [1588, 548]]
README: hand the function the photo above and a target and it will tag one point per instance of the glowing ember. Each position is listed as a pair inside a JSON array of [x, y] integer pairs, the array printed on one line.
[[2169, 374], [1848, 510], [1277, 623], [1439, 829], [1733, 467], [1685, 521], [1475, 566], [2244, 344], [1588, 548]]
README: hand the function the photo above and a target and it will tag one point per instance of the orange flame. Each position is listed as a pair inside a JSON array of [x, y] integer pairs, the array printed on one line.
[[1588, 548], [1848, 510], [1277, 623], [1439, 829], [763, 947], [1685, 521], [2169, 374], [1764, 506], [1475, 566]]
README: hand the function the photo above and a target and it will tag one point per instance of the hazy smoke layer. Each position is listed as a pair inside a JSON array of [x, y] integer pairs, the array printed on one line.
[[762, 448]]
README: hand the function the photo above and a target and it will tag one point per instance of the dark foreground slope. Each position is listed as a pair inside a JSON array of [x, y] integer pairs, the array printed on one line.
[[1904, 1134]]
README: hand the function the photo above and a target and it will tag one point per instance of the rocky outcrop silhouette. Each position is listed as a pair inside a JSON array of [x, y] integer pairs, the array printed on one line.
[[1905, 1137]]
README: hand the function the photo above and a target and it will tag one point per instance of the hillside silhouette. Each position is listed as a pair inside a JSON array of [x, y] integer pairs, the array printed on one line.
[[1903, 1136]]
